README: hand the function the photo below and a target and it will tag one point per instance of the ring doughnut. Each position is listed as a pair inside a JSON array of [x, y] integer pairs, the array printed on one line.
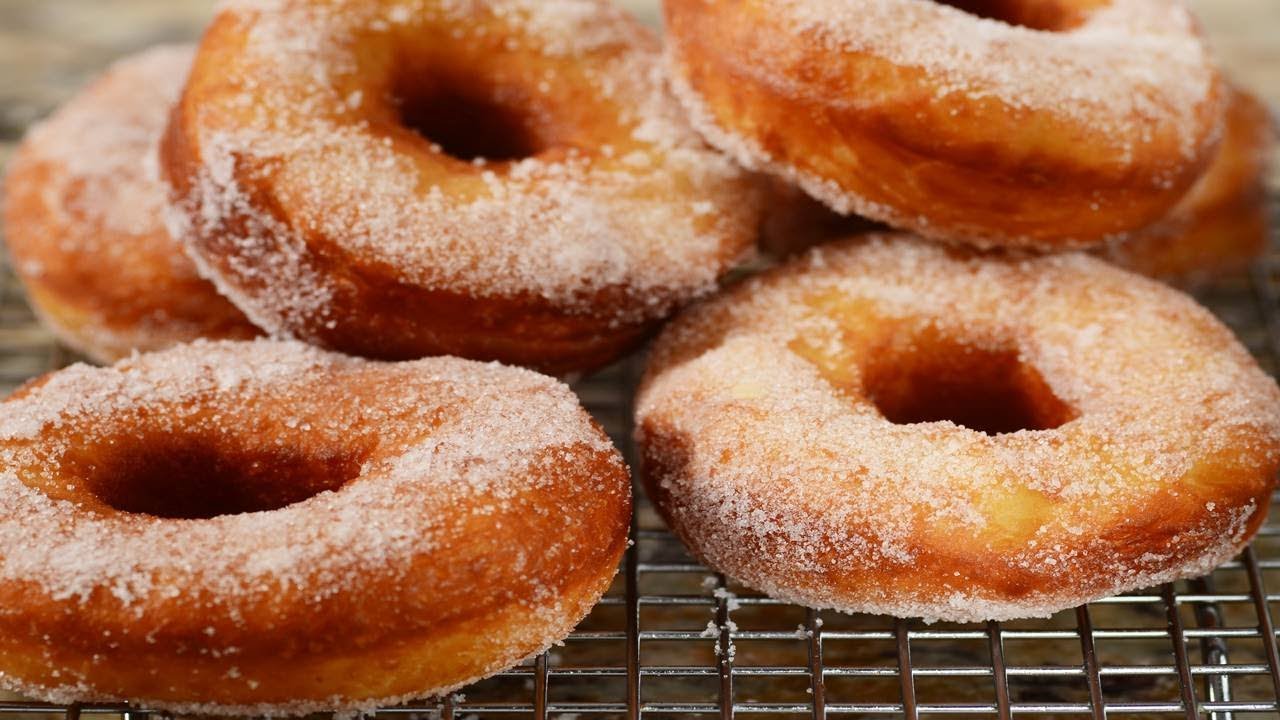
[[887, 426], [1223, 223], [264, 528], [506, 179], [1042, 124], [84, 221]]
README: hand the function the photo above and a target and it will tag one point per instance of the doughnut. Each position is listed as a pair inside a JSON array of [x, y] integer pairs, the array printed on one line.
[[888, 426], [1219, 227], [501, 180], [1222, 224], [84, 221], [1042, 124], [263, 528]]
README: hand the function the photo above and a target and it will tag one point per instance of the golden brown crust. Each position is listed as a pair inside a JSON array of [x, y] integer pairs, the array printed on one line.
[[370, 238], [83, 220], [1223, 223], [812, 432], [948, 125], [467, 516], [1219, 227]]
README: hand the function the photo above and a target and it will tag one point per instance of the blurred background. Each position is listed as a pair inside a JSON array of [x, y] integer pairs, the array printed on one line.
[[48, 48]]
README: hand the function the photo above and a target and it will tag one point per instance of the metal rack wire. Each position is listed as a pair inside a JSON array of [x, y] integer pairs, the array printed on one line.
[[673, 640]]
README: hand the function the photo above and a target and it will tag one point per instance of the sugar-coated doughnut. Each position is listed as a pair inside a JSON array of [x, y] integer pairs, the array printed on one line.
[[84, 221], [892, 427], [1223, 223], [499, 179], [264, 528], [1031, 123], [1219, 227]]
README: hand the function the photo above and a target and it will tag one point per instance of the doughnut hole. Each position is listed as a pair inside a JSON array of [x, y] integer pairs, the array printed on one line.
[[465, 124], [466, 97], [932, 378], [191, 477], [1047, 15], [469, 108]]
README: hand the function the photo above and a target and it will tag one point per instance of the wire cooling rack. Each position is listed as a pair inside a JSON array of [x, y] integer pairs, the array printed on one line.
[[672, 639]]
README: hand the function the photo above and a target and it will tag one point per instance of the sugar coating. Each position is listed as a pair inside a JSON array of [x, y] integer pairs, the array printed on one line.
[[92, 165], [1132, 63], [1133, 71], [454, 442], [774, 476], [509, 415], [653, 214], [111, 154]]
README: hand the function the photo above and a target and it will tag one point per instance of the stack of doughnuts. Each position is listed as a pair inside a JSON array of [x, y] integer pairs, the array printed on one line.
[[970, 415], [974, 430], [221, 525]]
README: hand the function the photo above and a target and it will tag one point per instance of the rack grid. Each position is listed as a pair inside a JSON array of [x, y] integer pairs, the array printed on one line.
[[673, 639]]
